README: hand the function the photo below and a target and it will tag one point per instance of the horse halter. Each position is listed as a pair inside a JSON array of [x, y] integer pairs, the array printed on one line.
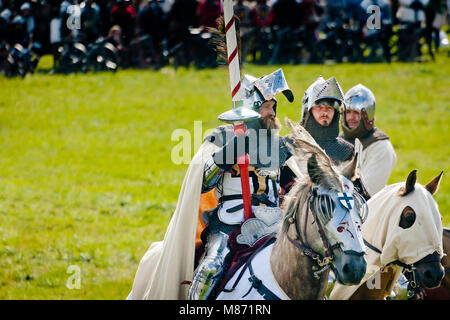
[[322, 261], [407, 268]]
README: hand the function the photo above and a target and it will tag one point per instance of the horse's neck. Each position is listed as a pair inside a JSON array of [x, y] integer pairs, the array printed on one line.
[[293, 271]]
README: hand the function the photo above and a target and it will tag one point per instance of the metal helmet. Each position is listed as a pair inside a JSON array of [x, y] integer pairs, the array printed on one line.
[[256, 92], [360, 97], [265, 88], [322, 89]]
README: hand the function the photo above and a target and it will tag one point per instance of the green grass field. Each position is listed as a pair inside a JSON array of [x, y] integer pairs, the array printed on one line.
[[86, 176]]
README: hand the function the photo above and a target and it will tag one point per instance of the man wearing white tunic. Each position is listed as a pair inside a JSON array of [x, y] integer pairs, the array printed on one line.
[[378, 156]]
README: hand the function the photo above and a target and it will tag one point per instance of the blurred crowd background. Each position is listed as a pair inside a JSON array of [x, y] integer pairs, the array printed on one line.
[[108, 34]]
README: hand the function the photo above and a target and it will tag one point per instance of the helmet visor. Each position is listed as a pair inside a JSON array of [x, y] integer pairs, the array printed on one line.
[[328, 102]]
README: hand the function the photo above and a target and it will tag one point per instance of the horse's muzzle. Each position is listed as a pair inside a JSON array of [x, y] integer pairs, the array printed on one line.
[[429, 275], [349, 267]]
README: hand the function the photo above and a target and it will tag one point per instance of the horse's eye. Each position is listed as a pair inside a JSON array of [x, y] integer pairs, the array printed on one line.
[[361, 206], [407, 218], [325, 205]]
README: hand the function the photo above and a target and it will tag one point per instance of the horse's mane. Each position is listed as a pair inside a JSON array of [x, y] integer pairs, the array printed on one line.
[[294, 200]]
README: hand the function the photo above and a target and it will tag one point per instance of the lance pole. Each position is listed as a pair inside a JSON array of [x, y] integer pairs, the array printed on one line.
[[239, 115]]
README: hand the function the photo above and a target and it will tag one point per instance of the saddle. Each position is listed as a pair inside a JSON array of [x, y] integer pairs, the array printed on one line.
[[240, 255]]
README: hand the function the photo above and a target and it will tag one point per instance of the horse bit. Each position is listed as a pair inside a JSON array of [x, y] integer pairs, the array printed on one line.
[[322, 261]]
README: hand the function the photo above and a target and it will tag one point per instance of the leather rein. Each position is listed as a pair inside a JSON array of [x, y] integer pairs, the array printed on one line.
[[322, 261], [410, 268]]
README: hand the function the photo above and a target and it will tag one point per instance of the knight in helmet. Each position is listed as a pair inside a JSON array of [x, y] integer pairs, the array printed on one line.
[[378, 157], [167, 268], [320, 117], [267, 153]]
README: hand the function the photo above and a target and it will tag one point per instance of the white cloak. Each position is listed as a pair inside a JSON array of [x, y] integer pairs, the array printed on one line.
[[169, 262], [377, 162]]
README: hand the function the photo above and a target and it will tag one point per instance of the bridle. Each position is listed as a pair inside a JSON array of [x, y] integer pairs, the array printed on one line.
[[322, 261], [407, 269]]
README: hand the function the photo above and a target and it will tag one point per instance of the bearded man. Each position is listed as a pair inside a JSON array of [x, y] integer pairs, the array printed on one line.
[[378, 157], [169, 265], [320, 117]]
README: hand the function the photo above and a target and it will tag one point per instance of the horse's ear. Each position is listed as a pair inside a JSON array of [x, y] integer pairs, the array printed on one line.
[[433, 185], [350, 169], [409, 185], [319, 175]]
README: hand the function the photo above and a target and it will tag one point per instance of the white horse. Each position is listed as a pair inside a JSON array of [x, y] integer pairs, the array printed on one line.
[[403, 232], [321, 228]]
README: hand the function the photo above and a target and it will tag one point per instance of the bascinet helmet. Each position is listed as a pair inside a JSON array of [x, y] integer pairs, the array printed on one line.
[[259, 90], [256, 91], [360, 99], [327, 90]]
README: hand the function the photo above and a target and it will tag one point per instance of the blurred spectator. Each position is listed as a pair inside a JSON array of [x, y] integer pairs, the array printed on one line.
[[68, 16], [19, 32], [105, 15], [42, 11], [25, 10], [115, 37], [181, 17], [208, 11], [152, 20], [435, 19], [152, 26], [90, 20], [308, 14], [411, 16], [356, 11], [123, 15], [242, 10], [336, 11], [411, 11], [5, 30], [261, 14], [5, 19], [286, 13], [272, 31]]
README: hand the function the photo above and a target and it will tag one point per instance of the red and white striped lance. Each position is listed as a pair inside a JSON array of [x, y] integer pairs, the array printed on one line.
[[236, 98], [232, 50]]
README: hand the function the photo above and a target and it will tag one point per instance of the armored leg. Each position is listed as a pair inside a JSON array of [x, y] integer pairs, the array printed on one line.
[[211, 268]]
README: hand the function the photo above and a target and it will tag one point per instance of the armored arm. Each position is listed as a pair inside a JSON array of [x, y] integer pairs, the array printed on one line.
[[211, 175], [223, 160]]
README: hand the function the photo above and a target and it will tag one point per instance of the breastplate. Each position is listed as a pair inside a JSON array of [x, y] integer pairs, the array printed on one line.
[[264, 188]]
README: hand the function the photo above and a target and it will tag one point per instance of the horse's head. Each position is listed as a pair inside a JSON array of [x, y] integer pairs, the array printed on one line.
[[335, 206], [413, 236], [428, 271]]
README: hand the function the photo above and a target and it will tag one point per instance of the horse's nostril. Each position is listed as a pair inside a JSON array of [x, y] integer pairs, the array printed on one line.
[[428, 274], [346, 268]]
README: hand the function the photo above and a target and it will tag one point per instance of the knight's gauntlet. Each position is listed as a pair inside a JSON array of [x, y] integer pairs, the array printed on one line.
[[211, 175]]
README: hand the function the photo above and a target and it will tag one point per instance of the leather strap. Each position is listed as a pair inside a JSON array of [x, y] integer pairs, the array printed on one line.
[[268, 241], [265, 292]]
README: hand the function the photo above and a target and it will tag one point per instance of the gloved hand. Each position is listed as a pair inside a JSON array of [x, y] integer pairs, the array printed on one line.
[[227, 156]]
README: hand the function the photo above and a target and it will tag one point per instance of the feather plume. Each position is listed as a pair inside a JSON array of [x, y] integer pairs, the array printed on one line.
[[219, 40]]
